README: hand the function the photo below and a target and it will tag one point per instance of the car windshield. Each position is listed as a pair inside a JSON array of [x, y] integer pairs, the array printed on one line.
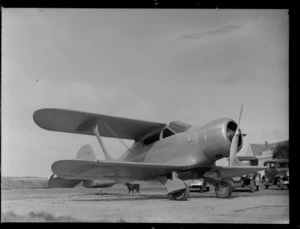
[[282, 165]]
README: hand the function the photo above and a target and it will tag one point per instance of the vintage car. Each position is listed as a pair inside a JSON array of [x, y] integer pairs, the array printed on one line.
[[249, 181], [277, 173], [198, 185]]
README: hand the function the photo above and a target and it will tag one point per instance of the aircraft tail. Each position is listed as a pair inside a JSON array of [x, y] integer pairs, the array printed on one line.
[[56, 182], [86, 153]]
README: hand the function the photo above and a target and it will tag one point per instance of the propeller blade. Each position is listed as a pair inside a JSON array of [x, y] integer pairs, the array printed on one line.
[[234, 142], [233, 150], [238, 126]]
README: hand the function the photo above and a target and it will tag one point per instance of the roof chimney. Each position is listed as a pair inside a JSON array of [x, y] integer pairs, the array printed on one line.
[[266, 144]]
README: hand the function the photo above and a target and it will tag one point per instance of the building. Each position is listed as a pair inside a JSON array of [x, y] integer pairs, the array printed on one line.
[[263, 152]]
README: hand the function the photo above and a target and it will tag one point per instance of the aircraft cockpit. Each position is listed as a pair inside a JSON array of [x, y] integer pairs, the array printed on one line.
[[173, 128]]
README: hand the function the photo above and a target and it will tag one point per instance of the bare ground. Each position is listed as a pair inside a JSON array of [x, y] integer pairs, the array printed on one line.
[[151, 205]]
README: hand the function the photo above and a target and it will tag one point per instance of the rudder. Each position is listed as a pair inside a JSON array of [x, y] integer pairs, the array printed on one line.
[[86, 153]]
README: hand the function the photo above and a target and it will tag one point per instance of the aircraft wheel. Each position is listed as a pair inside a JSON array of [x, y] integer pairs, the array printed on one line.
[[182, 194], [224, 189]]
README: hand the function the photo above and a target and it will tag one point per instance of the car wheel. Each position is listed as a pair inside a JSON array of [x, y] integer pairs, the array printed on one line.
[[266, 186], [263, 181], [201, 189], [279, 183], [257, 187], [252, 186]]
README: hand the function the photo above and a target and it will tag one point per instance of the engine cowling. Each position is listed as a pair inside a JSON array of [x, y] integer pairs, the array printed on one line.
[[215, 138]]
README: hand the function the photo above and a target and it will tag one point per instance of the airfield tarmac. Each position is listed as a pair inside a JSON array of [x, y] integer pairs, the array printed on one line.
[[150, 206]]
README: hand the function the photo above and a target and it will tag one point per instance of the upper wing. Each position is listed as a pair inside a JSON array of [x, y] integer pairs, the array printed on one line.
[[84, 123], [233, 171], [122, 171]]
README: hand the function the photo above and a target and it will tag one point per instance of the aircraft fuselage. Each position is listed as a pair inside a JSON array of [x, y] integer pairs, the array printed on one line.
[[199, 146]]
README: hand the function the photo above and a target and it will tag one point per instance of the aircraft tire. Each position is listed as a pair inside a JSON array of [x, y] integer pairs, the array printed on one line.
[[182, 194], [224, 189]]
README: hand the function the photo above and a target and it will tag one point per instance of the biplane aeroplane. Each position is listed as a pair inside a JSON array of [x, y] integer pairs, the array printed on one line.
[[168, 153]]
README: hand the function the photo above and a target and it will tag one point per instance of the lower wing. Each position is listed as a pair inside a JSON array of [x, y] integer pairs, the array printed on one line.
[[233, 171], [117, 171]]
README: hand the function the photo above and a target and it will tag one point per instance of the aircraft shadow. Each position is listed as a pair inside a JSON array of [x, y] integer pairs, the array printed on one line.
[[106, 197], [109, 198], [242, 190]]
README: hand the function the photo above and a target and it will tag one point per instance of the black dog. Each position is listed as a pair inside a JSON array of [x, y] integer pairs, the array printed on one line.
[[133, 187]]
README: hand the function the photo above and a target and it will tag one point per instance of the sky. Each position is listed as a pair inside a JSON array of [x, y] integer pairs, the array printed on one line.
[[161, 65]]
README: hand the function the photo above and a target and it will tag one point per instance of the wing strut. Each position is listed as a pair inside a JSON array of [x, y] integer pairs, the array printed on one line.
[[113, 132], [106, 154]]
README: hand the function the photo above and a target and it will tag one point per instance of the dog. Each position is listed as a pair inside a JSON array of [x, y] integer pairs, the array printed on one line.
[[133, 188]]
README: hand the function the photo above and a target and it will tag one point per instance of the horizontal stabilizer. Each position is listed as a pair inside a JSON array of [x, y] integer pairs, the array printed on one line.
[[57, 182], [117, 171]]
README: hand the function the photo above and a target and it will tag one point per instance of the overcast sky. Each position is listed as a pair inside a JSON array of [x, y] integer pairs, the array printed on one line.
[[150, 64]]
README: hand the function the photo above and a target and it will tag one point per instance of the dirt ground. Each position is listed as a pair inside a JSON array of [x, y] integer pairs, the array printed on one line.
[[150, 206]]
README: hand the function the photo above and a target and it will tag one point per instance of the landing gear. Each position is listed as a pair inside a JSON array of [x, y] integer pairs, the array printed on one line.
[[182, 194], [177, 189], [224, 188]]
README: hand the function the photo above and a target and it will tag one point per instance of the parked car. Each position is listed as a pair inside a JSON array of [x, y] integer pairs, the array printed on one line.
[[198, 185], [250, 181], [276, 174]]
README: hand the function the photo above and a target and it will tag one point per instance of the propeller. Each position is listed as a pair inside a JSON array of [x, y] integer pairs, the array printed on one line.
[[234, 142]]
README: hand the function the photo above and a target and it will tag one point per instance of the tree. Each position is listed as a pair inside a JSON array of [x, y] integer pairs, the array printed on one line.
[[281, 151]]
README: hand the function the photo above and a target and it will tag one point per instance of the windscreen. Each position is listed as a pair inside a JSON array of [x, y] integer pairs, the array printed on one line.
[[179, 127]]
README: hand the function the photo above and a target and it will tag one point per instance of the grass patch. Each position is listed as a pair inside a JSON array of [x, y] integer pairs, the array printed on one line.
[[35, 217]]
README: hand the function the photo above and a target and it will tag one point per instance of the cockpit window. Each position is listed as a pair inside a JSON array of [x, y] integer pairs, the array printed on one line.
[[179, 127], [167, 133], [173, 128], [151, 139]]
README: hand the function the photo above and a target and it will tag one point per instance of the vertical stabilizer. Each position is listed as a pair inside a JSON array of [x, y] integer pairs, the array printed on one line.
[[87, 153]]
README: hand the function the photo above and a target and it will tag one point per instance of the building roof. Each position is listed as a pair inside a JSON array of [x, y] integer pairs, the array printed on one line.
[[258, 148]]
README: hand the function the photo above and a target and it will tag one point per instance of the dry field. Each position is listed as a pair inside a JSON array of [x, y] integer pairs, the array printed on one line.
[[28, 199]]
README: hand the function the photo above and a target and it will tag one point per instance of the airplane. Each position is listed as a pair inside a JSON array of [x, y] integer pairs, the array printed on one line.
[[169, 153]]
